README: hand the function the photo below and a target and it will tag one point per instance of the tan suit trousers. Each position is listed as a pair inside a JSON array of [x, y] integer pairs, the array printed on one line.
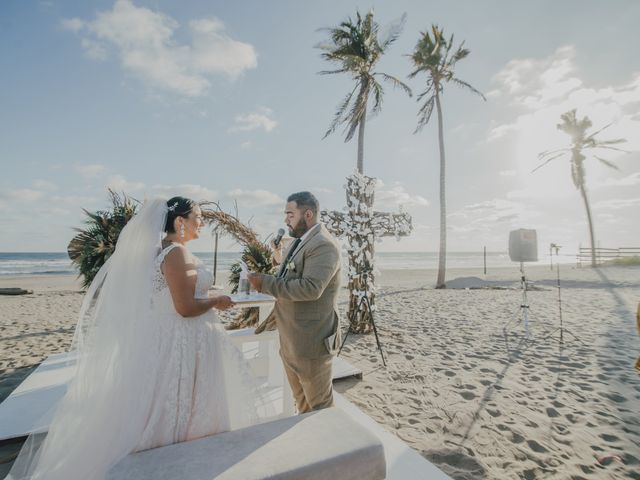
[[311, 382]]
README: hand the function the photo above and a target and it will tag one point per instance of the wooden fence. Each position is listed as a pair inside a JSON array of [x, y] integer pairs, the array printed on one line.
[[604, 255]]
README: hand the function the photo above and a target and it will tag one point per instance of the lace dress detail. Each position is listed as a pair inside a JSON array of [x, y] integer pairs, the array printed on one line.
[[198, 361]]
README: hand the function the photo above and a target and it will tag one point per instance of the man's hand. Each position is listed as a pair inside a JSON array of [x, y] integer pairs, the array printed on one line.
[[276, 252], [255, 279], [224, 302]]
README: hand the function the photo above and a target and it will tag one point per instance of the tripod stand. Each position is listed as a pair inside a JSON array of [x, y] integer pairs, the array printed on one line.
[[364, 300], [524, 305], [561, 328]]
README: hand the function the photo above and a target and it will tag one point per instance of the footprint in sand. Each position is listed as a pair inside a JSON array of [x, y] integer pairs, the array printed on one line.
[[552, 413], [614, 396], [609, 438], [536, 447], [468, 395], [458, 460]]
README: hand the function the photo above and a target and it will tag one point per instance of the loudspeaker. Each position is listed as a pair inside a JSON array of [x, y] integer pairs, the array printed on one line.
[[523, 245]]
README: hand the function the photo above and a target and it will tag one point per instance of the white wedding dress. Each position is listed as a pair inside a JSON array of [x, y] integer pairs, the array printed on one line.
[[191, 398], [145, 376]]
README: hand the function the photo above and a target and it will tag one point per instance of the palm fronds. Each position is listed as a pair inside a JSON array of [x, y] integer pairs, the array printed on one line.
[[433, 56], [94, 244], [356, 46], [255, 254]]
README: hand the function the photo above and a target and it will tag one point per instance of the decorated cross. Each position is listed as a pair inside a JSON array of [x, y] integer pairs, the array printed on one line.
[[360, 225]]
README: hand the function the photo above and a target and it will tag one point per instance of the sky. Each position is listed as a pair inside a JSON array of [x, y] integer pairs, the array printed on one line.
[[222, 101]]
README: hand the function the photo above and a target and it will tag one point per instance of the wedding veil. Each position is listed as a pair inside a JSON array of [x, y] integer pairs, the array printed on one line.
[[100, 418]]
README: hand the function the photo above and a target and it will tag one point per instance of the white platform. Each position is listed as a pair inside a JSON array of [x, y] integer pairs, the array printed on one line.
[[25, 411], [28, 408]]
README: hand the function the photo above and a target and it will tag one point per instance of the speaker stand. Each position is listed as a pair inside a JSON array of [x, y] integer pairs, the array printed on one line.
[[524, 307], [561, 330]]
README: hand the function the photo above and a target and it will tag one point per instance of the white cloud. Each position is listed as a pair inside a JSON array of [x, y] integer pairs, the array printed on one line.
[[545, 88], [254, 120], [539, 91], [44, 185], [14, 199], [120, 184], [492, 215], [628, 181], [255, 198], [56, 211], [215, 52], [499, 132], [396, 197], [94, 50], [145, 41], [89, 171], [195, 192], [246, 145], [616, 203], [77, 201], [531, 82], [21, 195], [72, 24]]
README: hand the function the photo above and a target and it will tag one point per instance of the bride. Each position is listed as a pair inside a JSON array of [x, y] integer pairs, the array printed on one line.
[[154, 366]]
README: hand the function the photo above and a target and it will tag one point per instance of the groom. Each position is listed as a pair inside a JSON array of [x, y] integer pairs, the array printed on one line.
[[306, 288]]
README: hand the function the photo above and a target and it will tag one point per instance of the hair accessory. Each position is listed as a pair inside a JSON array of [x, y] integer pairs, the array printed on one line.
[[173, 207]]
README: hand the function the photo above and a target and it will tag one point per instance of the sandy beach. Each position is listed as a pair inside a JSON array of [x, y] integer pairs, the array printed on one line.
[[476, 401]]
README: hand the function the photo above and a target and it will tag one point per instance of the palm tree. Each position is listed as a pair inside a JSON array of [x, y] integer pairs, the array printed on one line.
[[580, 141], [356, 48], [433, 55]]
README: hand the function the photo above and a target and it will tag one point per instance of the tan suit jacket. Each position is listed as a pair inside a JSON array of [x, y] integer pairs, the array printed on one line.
[[306, 296]]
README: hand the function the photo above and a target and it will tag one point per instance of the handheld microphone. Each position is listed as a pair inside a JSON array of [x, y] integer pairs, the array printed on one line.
[[276, 241]]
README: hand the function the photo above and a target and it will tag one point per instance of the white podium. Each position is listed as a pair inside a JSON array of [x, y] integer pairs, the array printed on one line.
[[262, 351]]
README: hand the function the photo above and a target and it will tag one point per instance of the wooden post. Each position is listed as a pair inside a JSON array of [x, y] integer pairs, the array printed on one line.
[[215, 255], [485, 259]]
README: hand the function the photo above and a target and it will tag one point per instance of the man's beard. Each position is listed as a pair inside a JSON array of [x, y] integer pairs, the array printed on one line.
[[299, 229]]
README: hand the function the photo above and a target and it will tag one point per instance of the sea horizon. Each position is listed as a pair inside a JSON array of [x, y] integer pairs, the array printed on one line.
[[58, 263]]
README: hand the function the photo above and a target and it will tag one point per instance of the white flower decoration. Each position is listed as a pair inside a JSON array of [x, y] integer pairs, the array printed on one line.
[[291, 267]]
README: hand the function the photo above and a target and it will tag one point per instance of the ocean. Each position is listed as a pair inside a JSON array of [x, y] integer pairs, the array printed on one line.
[[58, 263]]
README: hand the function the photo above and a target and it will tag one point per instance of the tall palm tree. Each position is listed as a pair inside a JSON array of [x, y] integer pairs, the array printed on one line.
[[435, 56], [356, 47], [580, 141]]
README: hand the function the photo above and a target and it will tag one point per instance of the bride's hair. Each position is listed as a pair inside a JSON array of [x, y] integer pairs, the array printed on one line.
[[178, 207]]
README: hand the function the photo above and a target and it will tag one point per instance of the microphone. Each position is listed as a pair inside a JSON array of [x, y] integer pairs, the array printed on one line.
[[276, 241]]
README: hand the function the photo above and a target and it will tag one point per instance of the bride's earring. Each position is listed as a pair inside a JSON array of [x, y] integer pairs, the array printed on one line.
[[182, 231]]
